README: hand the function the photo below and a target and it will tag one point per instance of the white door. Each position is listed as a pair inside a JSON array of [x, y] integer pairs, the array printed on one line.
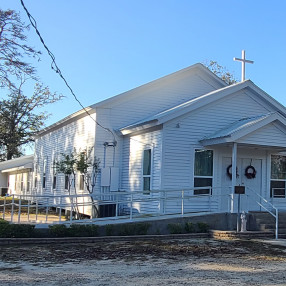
[[252, 186]]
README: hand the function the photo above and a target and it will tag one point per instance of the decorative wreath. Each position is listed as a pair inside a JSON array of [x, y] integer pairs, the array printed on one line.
[[250, 172], [229, 172]]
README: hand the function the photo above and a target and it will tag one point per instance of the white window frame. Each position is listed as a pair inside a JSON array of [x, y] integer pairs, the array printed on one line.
[[147, 192], [81, 179], [204, 177], [44, 179], [273, 196]]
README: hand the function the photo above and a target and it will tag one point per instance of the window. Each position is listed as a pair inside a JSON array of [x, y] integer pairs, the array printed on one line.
[[54, 181], [81, 182], [28, 183], [44, 174], [278, 176], [22, 182], [36, 176], [147, 171], [54, 185], [203, 171], [66, 182]]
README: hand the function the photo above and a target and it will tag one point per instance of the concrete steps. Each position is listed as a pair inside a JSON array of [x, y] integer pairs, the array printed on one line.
[[262, 221]]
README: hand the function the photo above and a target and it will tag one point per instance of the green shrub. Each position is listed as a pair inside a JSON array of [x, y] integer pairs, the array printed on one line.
[[175, 228], [58, 230], [2, 221], [109, 229], [189, 227], [75, 230], [134, 229], [202, 227], [16, 230], [79, 230]]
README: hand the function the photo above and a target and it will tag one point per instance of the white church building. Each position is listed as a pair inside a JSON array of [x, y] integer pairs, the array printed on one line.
[[187, 134]]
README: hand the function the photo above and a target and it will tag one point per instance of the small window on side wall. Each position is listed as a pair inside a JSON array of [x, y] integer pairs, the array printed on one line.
[[81, 182], [147, 160], [67, 183], [44, 174], [203, 172]]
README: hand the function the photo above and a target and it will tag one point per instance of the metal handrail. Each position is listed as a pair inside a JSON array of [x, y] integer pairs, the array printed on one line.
[[29, 202], [276, 215]]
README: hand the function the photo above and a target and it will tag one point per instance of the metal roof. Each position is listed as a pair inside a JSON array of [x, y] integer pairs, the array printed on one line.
[[238, 126]]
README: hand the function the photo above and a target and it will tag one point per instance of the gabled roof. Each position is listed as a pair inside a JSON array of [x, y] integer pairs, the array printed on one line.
[[199, 68], [198, 102], [241, 128]]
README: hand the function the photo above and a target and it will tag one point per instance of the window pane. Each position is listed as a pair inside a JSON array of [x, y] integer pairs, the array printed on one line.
[[54, 182], [44, 182], [278, 167], [81, 182], [66, 182], [147, 162], [277, 189], [146, 184], [202, 182], [203, 163]]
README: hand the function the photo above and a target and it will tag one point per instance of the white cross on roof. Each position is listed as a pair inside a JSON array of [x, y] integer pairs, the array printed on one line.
[[243, 61]]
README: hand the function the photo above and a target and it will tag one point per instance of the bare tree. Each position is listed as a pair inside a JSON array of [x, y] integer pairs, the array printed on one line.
[[14, 50], [221, 72], [21, 118]]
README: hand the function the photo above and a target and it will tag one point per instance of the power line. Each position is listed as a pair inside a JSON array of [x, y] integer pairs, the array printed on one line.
[[55, 67]]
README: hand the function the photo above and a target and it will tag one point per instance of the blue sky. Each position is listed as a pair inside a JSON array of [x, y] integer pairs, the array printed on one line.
[[107, 47]]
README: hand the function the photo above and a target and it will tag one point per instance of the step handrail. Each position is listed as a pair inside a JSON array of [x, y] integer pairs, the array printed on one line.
[[276, 215]]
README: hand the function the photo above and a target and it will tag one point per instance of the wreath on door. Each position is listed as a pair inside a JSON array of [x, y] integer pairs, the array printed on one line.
[[250, 172], [229, 171]]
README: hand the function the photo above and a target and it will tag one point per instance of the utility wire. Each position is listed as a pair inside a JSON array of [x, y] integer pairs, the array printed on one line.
[[55, 67]]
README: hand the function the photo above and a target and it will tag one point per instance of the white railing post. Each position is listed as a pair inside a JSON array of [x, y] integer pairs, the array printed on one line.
[[71, 208], [37, 209], [28, 217], [210, 201], [276, 224], [131, 206], [47, 209], [12, 210], [182, 202], [19, 210], [60, 211], [116, 205], [4, 208]]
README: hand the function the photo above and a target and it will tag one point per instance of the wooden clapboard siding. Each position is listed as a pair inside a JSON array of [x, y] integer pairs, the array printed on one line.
[[269, 135], [79, 134], [132, 167], [148, 102], [178, 154]]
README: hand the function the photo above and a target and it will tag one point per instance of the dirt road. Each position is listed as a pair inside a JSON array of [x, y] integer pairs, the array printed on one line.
[[150, 262]]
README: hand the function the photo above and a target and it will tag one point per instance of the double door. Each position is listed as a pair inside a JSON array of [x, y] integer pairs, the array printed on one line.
[[252, 185]]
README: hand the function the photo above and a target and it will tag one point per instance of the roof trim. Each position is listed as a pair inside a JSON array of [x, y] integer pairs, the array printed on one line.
[[28, 166], [27, 157]]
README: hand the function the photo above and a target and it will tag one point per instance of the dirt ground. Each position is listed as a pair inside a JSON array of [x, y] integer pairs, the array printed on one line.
[[149, 262]]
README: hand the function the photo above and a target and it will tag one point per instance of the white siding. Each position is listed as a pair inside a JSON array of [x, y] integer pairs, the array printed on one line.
[[77, 135], [269, 135], [132, 164], [140, 105], [179, 143]]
